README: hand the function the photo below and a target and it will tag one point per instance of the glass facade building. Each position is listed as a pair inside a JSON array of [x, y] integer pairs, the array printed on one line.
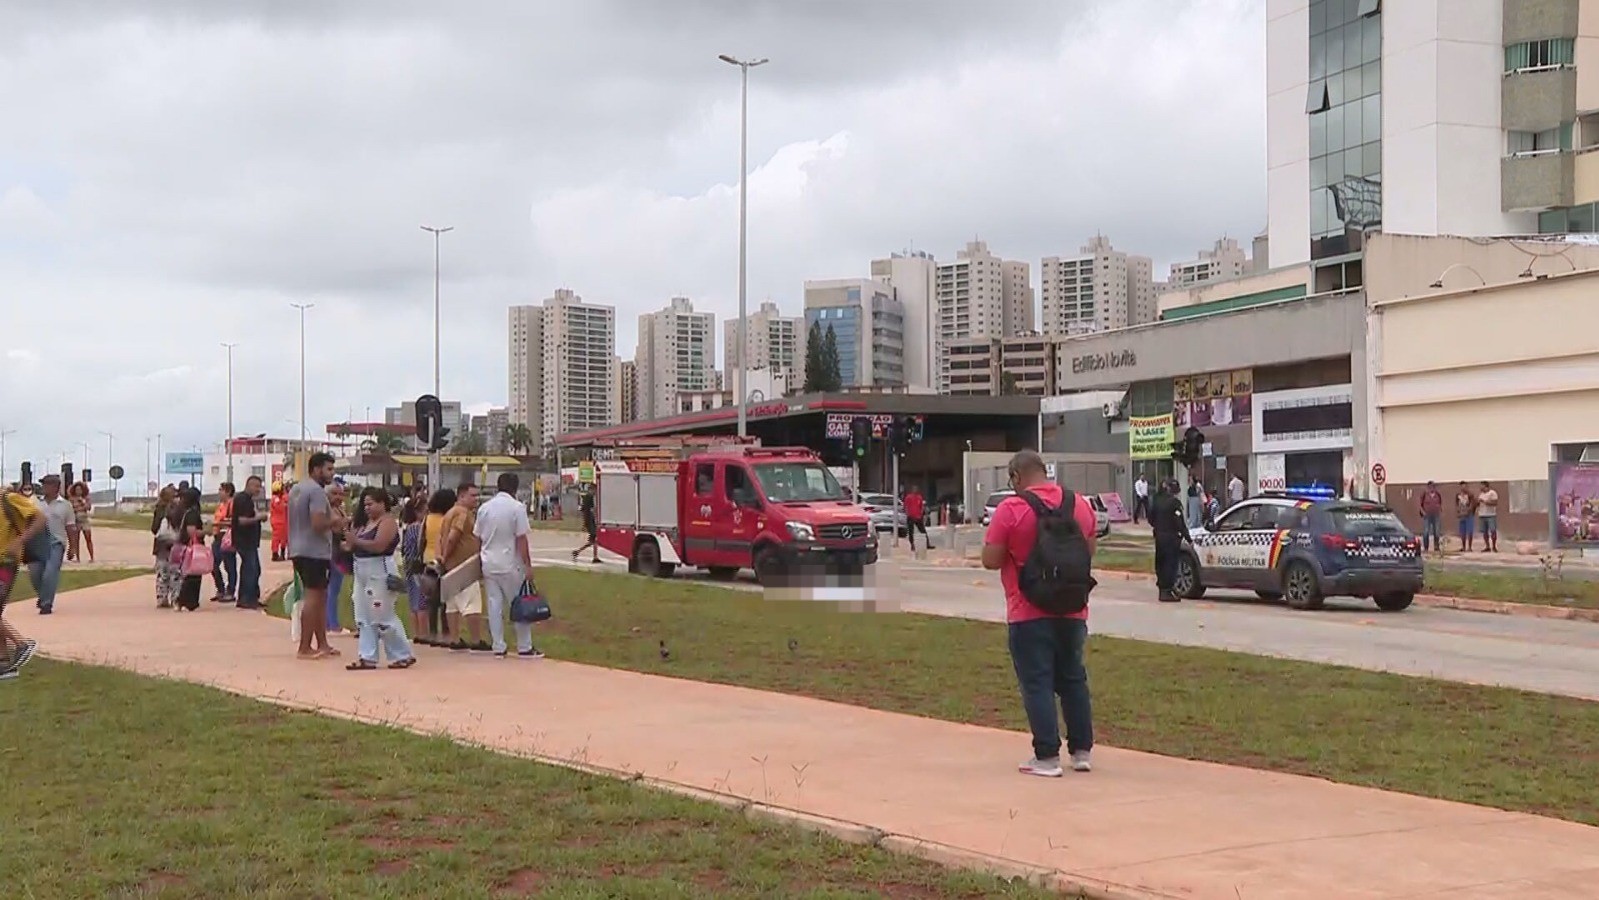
[[1344, 107]]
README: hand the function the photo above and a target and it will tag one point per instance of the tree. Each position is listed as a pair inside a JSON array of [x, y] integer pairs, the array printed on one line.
[[831, 380], [470, 443], [813, 359], [518, 437], [389, 442], [1007, 384]]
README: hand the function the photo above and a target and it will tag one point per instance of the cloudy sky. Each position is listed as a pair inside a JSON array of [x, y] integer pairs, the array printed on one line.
[[175, 173]]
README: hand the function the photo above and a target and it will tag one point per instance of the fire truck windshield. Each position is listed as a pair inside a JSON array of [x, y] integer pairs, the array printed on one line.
[[798, 482]]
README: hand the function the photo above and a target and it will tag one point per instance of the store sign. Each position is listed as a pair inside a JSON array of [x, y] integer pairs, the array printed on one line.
[[185, 463], [1150, 437], [1099, 362], [772, 409], [1271, 472], [1573, 505], [1213, 399], [1302, 420]]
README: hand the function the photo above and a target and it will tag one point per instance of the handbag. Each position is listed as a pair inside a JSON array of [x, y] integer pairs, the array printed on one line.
[[392, 579], [165, 533], [197, 561], [530, 606], [227, 541]]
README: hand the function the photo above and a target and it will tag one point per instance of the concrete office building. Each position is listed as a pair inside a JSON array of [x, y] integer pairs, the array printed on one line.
[[1019, 365], [1426, 117], [492, 426], [774, 341], [1100, 289], [626, 391], [868, 326], [913, 274], [525, 368], [676, 352], [561, 366]]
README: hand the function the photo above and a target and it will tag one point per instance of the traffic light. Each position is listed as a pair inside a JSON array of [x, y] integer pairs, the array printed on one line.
[[430, 430], [904, 432], [1187, 451], [66, 476], [441, 439], [860, 435], [27, 472], [88, 476]]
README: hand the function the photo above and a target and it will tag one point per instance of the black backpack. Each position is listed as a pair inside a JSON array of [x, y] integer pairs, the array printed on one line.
[[1058, 574]]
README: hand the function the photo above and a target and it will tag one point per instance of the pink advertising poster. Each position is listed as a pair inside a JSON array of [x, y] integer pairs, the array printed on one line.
[[1574, 507]]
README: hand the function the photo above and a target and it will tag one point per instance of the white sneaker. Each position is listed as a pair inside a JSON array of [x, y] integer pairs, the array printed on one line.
[[1080, 762], [1044, 768], [8, 674]]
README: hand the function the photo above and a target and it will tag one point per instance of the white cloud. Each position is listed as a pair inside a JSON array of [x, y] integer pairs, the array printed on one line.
[[179, 172]]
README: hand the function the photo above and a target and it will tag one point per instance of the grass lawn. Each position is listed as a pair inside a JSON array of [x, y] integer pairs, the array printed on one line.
[[124, 786], [71, 580], [139, 520], [1489, 746]]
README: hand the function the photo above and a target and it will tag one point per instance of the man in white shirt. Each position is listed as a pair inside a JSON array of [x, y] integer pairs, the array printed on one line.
[[46, 573], [507, 563], [1140, 499], [1235, 490]]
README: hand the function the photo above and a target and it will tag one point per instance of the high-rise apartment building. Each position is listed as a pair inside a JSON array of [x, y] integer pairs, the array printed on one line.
[[980, 295], [562, 366], [1428, 117], [913, 276], [676, 352], [1224, 260], [626, 390], [868, 327], [1099, 289], [772, 341], [1020, 364]]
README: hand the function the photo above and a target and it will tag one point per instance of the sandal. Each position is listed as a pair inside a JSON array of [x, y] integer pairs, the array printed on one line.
[[406, 663], [360, 665]]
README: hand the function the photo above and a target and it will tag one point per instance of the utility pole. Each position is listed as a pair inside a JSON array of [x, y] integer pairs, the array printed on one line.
[[741, 380], [110, 451], [229, 445], [302, 307], [3, 435], [434, 481]]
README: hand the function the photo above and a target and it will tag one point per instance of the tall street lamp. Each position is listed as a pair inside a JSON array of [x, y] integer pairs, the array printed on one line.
[[3, 435], [302, 307], [433, 456], [229, 445], [110, 450], [743, 204], [85, 446]]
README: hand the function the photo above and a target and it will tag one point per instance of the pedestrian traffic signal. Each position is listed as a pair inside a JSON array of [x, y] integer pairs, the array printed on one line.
[[88, 476], [430, 430], [66, 476], [860, 432], [27, 473]]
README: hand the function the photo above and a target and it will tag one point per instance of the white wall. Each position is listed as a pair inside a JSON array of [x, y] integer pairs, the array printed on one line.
[[1287, 132]]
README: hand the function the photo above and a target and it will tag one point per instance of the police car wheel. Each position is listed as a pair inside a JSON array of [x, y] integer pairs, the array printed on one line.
[[1187, 583], [1394, 602], [1300, 587]]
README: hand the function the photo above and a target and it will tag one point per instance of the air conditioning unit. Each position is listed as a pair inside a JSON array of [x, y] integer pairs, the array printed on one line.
[[1113, 409]]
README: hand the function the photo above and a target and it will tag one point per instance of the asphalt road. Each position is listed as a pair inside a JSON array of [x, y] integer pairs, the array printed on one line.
[[1544, 655]]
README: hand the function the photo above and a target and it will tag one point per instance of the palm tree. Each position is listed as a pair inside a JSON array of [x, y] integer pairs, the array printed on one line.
[[518, 437]]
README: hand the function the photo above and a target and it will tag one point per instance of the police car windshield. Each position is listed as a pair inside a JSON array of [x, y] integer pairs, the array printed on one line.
[[798, 482], [1367, 521]]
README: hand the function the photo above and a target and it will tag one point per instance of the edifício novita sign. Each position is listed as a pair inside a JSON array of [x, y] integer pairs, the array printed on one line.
[[1097, 362]]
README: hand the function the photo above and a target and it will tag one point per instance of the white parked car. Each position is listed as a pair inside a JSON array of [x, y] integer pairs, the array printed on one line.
[[1101, 514], [885, 514]]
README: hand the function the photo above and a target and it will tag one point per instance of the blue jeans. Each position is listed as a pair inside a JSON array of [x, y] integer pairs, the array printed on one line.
[[1048, 657], [46, 576], [1429, 529], [336, 578], [249, 593], [377, 613], [225, 569]]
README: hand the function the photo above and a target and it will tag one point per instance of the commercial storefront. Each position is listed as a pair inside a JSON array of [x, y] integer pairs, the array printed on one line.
[[1498, 383], [1278, 390]]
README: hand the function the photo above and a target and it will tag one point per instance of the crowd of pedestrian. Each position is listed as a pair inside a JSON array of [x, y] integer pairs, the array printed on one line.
[[1476, 514]]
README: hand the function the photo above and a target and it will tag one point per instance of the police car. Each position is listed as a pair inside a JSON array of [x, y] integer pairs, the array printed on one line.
[[1304, 550]]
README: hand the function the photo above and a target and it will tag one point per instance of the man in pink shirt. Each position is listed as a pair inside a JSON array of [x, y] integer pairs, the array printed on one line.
[[1046, 649]]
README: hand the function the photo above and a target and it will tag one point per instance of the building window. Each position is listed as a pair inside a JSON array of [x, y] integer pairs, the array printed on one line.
[[1537, 143], [1317, 100], [1532, 56]]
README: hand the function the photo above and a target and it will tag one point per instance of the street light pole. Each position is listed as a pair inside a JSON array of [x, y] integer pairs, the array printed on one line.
[[740, 380], [302, 307], [110, 450], [148, 470], [229, 445], [160, 463], [433, 455]]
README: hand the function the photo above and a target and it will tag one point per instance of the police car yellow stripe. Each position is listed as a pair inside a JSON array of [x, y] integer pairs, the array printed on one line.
[[1278, 542]]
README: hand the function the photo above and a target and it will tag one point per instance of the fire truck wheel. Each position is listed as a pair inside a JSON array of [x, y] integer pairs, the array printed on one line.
[[647, 559], [769, 568]]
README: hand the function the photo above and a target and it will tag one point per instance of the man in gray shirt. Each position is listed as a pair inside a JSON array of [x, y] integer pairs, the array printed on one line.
[[311, 549], [46, 573]]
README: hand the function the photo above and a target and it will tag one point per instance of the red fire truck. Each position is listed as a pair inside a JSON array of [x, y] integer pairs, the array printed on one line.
[[723, 504]]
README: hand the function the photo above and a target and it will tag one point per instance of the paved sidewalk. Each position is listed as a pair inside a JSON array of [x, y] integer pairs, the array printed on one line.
[[1140, 825]]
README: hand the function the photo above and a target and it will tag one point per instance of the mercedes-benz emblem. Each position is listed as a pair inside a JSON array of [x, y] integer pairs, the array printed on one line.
[[845, 532]]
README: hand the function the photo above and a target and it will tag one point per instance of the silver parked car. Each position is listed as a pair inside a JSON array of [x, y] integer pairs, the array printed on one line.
[[884, 513], [1101, 514]]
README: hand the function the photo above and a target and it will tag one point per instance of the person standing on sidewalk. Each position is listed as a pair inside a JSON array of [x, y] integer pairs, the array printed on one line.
[[246, 527], [225, 561], [1432, 506], [1465, 517], [1487, 517], [46, 573], [311, 550], [21, 523], [916, 517], [1171, 529], [1140, 499], [279, 520], [502, 530], [1046, 648], [371, 540], [343, 565], [458, 543]]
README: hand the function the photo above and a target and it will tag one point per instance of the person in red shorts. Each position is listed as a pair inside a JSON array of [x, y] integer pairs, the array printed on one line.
[[1046, 649]]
